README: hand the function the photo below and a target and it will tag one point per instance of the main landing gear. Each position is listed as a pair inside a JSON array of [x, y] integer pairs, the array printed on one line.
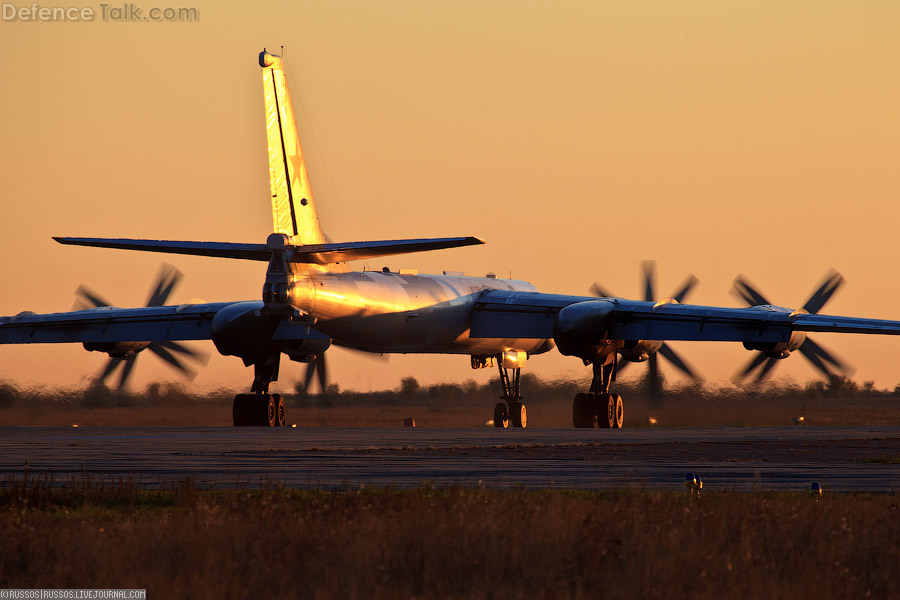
[[260, 407], [511, 411], [600, 408]]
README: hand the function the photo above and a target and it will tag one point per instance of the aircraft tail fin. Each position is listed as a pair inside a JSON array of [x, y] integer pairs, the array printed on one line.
[[293, 206]]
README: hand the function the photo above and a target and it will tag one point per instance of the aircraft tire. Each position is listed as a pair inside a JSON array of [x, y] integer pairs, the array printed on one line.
[[519, 416], [582, 413], [501, 415], [606, 410], [280, 412], [265, 410], [241, 410], [617, 417]]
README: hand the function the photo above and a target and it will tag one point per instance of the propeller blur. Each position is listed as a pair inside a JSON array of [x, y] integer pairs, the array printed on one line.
[[646, 350], [821, 359], [125, 355]]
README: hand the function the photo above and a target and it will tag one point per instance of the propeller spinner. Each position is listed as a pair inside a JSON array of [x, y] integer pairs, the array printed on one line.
[[167, 351], [820, 358]]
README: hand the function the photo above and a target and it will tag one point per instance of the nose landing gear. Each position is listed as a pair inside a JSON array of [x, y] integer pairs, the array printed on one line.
[[511, 411]]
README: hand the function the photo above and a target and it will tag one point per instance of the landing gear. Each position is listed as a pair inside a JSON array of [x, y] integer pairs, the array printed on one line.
[[260, 408], [520, 418], [511, 411], [265, 410], [242, 410], [616, 411], [600, 408], [501, 415], [583, 410], [280, 412]]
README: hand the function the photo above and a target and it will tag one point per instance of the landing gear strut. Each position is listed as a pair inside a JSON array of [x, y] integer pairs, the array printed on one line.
[[260, 407], [600, 408], [511, 411]]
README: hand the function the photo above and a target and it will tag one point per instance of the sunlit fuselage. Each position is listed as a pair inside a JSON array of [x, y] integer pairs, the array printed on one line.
[[399, 313]]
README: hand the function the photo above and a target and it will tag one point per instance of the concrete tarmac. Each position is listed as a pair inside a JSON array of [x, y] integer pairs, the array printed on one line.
[[783, 458]]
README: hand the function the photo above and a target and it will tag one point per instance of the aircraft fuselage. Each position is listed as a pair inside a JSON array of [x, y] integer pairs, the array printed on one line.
[[404, 313]]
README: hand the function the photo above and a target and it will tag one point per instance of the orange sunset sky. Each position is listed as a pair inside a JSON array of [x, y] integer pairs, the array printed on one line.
[[577, 138]]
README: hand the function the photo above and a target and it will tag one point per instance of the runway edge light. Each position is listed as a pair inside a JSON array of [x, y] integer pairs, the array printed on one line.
[[693, 483]]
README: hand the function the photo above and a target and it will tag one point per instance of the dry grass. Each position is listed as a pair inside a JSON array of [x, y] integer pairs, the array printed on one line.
[[181, 542]]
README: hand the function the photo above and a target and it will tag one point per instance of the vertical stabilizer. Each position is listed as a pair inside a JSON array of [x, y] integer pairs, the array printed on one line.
[[293, 207]]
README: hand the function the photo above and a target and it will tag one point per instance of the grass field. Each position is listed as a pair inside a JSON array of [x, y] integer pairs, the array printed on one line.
[[182, 542]]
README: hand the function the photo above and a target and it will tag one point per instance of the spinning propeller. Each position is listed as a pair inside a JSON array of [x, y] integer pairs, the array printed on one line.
[[168, 279], [654, 379], [818, 356], [317, 368]]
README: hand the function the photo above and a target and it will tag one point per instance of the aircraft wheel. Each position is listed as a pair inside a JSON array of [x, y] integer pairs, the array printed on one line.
[[519, 416], [606, 410], [582, 413], [617, 406], [241, 410], [280, 412], [265, 406], [501, 415]]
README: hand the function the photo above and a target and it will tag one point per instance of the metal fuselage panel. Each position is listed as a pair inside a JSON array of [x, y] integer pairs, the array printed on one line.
[[394, 313]]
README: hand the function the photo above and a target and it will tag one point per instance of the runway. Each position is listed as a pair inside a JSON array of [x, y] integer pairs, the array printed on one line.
[[841, 459]]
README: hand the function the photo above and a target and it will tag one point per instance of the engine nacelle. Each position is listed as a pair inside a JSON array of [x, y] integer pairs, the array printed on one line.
[[778, 349], [247, 331], [116, 349], [244, 330], [582, 329]]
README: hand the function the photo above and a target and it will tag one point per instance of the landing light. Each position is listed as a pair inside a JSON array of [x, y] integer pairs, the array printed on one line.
[[693, 483], [815, 489], [513, 359]]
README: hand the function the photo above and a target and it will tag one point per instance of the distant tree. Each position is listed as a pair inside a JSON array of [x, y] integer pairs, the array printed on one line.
[[409, 386], [8, 394]]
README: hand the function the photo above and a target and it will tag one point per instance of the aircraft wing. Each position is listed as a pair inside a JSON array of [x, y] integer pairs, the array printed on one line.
[[504, 314], [152, 324]]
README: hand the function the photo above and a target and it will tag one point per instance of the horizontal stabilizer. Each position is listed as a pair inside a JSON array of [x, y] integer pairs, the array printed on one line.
[[322, 254], [340, 252]]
